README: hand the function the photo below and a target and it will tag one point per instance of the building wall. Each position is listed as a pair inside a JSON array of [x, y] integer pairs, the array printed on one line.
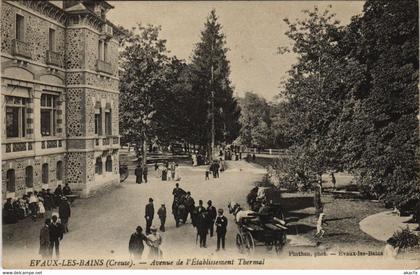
[[79, 85]]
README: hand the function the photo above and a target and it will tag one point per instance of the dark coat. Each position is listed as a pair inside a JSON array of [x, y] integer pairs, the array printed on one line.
[[66, 190], [212, 214], [135, 244], [56, 231], [64, 210], [149, 211], [202, 222], [44, 241], [221, 224], [162, 212]]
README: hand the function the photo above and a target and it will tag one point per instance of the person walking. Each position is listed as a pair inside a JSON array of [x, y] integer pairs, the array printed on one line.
[[139, 174], [221, 225], [44, 240], [154, 240], [149, 213], [190, 206], [145, 171], [162, 217], [212, 214], [135, 245], [202, 227], [64, 211], [56, 235]]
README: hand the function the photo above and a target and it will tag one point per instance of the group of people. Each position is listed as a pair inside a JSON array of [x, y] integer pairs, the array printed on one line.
[[214, 168], [151, 237], [51, 234], [153, 240], [202, 218], [34, 204], [141, 172], [168, 171]]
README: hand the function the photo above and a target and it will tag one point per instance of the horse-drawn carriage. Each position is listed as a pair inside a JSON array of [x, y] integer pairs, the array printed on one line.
[[263, 225]]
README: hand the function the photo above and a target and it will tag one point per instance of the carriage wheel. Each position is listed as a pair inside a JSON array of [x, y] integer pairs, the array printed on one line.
[[249, 243], [240, 243]]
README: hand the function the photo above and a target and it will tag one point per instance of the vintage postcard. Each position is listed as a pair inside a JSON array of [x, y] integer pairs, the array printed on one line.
[[210, 134]]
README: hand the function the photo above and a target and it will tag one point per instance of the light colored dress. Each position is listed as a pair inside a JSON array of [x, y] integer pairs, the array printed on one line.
[[154, 241]]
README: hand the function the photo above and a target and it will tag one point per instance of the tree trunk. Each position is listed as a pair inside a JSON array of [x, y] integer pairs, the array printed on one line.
[[144, 149]]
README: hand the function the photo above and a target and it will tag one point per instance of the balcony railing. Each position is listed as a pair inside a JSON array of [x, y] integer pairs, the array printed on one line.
[[103, 67], [19, 147], [54, 58], [21, 48]]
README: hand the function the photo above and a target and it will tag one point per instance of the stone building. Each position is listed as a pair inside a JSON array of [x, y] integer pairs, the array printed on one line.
[[59, 96]]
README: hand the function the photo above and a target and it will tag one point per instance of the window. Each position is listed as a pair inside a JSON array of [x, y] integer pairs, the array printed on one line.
[[15, 116], [51, 40], [102, 50], [108, 164], [59, 170], [105, 51], [45, 173], [98, 166], [98, 122], [108, 123], [29, 177], [10, 178], [20, 27], [48, 114]]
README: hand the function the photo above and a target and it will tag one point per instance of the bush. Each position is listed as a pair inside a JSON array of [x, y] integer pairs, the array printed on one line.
[[404, 239]]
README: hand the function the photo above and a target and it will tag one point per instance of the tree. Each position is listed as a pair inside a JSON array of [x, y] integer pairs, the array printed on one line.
[[314, 90], [382, 149], [143, 85], [210, 72], [255, 121]]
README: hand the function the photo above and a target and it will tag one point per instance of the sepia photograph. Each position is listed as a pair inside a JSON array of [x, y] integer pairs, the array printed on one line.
[[230, 135]]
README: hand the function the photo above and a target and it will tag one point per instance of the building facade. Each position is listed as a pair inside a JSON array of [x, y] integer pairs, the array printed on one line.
[[59, 96]]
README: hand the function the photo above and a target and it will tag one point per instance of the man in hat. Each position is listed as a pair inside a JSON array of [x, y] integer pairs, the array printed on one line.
[[56, 235], [154, 240], [202, 223], [64, 212], [212, 214], [221, 224], [136, 246], [44, 240], [162, 216], [148, 215]]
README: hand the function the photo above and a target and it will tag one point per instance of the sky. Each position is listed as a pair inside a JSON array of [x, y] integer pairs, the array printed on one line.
[[254, 31]]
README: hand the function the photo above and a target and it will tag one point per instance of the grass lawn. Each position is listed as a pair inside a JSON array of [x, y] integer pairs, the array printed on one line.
[[342, 217]]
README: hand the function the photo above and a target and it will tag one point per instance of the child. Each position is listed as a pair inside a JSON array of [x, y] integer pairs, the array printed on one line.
[[207, 173], [319, 229]]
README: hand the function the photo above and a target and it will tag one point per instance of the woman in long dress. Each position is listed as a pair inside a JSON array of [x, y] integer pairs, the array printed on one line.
[[154, 240]]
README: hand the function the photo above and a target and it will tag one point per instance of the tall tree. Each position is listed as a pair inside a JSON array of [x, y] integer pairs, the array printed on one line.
[[382, 150], [314, 90], [210, 73], [143, 84]]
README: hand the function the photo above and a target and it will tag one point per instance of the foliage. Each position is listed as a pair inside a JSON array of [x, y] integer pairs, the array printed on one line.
[[382, 148], [314, 92], [209, 61], [151, 93], [404, 239], [255, 122], [352, 99]]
